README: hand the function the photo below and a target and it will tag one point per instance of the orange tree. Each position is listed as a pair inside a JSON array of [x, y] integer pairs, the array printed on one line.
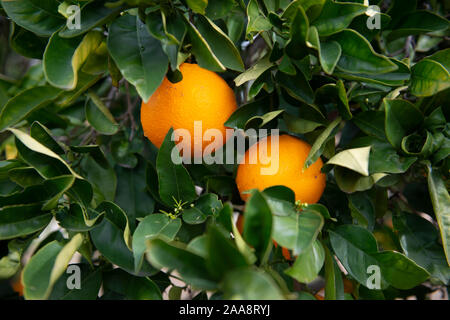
[[84, 193]]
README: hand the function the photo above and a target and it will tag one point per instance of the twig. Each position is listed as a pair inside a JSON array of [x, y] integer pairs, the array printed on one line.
[[130, 110]]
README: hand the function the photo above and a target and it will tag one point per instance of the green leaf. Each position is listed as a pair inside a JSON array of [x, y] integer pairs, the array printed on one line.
[[297, 86], [63, 58], [190, 266], [418, 22], [40, 17], [401, 119], [131, 194], [354, 159], [254, 71], [354, 246], [334, 94], [10, 264], [90, 283], [46, 266], [336, 16], [23, 104], [399, 271], [175, 184], [95, 152], [250, 284], [298, 231], [394, 78], [383, 156], [48, 193], [371, 123], [154, 225], [202, 50], [27, 43], [222, 253], [308, 264], [93, 14], [329, 52], [99, 115], [217, 9], [431, 75], [418, 145], [350, 181], [76, 218], [26, 176], [85, 81], [334, 286], [129, 287], [362, 209], [33, 145], [296, 45], [258, 223], [207, 205], [281, 200], [108, 239], [21, 220], [243, 114], [137, 54], [419, 240], [257, 122], [441, 204], [243, 247], [198, 6], [220, 44], [257, 22], [320, 143], [358, 55], [43, 135]]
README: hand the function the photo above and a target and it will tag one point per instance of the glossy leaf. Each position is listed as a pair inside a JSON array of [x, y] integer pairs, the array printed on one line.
[[203, 51], [441, 203], [175, 184], [154, 225], [248, 284], [221, 45], [21, 220], [50, 263], [23, 104], [297, 232], [190, 266], [40, 17], [358, 55], [308, 264], [93, 14], [431, 75], [136, 52], [353, 159], [336, 16], [72, 53], [257, 223], [402, 117]]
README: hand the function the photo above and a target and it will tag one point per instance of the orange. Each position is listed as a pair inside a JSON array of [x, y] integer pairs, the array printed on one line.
[[201, 95], [308, 185], [17, 286], [240, 227]]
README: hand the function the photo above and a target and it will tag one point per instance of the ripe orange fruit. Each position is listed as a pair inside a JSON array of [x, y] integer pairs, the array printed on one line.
[[17, 286], [240, 227], [202, 95], [308, 185]]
